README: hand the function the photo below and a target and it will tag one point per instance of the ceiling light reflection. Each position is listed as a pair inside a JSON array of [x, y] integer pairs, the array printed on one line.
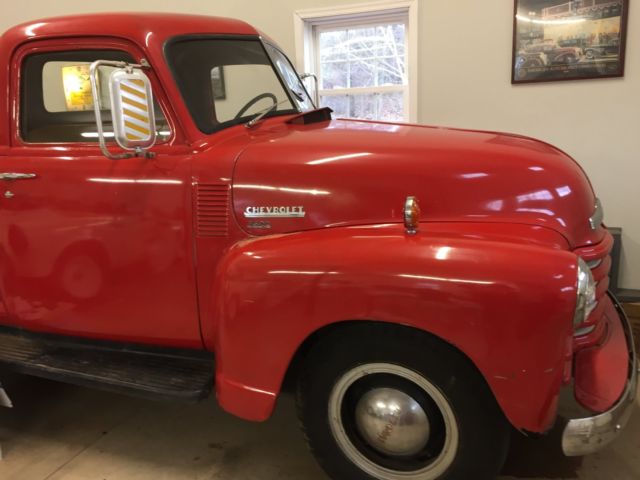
[[443, 279], [136, 180], [312, 191], [443, 253], [338, 158]]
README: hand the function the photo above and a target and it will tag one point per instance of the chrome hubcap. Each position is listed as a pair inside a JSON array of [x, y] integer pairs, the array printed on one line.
[[392, 422], [393, 432]]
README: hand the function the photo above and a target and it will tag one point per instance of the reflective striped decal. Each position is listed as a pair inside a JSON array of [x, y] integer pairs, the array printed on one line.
[[134, 124], [135, 110]]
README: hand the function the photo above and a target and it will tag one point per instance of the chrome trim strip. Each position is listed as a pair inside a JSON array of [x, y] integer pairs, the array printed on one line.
[[598, 216], [593, 264], [584, 436], [11, 176], [584, 331], [5, 401]]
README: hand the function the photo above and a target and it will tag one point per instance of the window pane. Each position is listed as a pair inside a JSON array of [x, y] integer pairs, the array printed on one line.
[[58, 99], [390, 71], [363, 107], [364, 43], [250, 82], [364, 57], [394, 40], [333, 46], [373, 106], [362, 74], [339, 104], [290, 76], [66, 87], [334, 75], [246, 96], [391, 107]]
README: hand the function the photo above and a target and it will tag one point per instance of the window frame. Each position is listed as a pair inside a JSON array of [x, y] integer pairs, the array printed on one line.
[[54, 46], [309, 23]]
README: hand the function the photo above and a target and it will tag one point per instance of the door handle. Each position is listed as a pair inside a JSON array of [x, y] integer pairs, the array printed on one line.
[[17, 176]]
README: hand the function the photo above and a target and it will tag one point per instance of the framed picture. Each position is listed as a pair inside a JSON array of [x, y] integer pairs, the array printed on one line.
[[557, 40], [217, 83]]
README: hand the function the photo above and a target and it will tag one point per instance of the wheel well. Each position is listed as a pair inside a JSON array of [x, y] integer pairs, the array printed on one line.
[[351, 328]]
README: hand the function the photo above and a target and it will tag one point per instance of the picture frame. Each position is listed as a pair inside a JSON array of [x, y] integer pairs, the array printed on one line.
[[561, 40], [218, 84]]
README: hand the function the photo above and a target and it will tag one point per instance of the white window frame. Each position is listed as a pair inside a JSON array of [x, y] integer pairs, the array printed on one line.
[[309, 22]]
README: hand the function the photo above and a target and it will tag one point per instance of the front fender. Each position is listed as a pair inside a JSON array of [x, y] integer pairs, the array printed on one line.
[[502, 294]]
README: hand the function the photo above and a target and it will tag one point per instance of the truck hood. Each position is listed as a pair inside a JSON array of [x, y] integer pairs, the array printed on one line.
[[343, 173]]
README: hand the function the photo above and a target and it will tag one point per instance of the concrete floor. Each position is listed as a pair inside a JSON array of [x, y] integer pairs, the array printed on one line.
[[62, 432]]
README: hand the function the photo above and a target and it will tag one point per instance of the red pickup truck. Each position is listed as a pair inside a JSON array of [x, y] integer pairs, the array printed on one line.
[[177, 214]]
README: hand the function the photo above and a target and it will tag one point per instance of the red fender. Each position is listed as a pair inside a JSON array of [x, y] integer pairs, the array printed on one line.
[[502, 294]]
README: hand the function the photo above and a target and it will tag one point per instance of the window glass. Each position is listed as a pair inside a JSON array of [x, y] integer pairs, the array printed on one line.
[[226, 81], [243, 83], [57, 100], [282, 63], [363, 69]]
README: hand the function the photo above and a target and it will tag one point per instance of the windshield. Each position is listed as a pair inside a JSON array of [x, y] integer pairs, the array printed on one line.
[[290, 76], [225, 81]]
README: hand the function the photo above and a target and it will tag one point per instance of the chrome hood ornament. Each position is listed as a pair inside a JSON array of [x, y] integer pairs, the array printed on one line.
[[598, 216]]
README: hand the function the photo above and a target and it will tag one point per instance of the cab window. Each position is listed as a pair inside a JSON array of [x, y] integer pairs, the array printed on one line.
[[57, 100]]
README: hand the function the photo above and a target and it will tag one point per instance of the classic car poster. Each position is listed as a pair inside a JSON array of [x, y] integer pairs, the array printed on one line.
[[568, 40]]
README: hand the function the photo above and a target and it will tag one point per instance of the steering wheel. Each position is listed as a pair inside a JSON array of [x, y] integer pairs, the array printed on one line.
[[255, 100]]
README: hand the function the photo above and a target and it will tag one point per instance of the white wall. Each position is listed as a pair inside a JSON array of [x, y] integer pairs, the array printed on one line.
[[465, 62]]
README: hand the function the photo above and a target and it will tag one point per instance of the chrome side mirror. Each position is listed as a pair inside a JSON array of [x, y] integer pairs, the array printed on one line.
[[132, 113], [316, 92]]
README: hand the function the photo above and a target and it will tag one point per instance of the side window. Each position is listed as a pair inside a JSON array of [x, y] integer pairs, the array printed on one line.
[[57, 100]]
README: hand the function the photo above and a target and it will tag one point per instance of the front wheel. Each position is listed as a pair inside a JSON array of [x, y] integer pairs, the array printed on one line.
[[389, 403]]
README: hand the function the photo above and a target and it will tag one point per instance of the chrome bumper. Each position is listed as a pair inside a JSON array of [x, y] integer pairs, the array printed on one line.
[[585, 436]]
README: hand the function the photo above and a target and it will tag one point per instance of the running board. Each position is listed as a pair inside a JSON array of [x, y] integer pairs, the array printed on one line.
[[154, 375]]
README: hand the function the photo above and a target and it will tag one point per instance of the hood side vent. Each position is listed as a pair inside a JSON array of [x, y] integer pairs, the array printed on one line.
[[212, 209]]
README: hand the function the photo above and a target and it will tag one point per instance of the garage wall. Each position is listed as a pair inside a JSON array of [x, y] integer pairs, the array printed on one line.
[[465, 62]]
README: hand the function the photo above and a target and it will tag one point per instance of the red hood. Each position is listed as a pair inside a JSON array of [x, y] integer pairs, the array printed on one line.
[[352, 173]]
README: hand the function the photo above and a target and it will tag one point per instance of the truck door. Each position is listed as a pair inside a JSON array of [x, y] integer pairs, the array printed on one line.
[[90, 246]]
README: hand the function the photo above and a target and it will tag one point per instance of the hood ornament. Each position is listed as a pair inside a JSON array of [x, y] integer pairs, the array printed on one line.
[[411, 215], [598, 216]]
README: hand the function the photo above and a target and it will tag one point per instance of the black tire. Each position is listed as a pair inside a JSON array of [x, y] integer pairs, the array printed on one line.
[[482, 430]]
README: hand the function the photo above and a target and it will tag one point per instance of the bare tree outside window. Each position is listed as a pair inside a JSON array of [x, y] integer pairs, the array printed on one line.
[[363, 71]]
